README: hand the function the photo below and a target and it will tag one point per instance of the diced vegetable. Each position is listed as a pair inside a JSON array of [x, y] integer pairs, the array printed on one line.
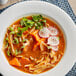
[[53, 41], [15, 62]]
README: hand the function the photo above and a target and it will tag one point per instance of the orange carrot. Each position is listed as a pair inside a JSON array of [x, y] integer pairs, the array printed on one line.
[[15, 62], [38, 39]]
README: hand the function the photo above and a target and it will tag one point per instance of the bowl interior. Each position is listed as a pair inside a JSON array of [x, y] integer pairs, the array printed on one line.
[[53, 12]]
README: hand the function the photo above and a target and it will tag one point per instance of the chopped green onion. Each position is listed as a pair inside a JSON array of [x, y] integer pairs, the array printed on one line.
[[36, 27], [40, 23], [36, 24], [6, 38], [44, 21], [8, 53], [22, 46], [19, 34], [12, 32], [58, 38], [6, 45], [16, 52], [22, 29], [30, 22], [16, 39], [23, 21], [24, 40], [19, 52], [37, 21], [40, 27], [49, 47], [11, 28], [35, 18]]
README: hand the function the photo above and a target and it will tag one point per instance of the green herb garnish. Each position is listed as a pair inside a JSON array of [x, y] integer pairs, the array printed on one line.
[[49, 47], [23, 21], [12, 32], [58, 38], [6, 39], [24, 40], [22, 46], [15, 41], [37, 22], [11, 28], [44, 21], [8, 53], [19, 52], [37, 18], [16, 52], [19, 34]]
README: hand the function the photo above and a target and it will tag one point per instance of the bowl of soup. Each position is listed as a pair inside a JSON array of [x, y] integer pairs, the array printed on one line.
[[37, 38]]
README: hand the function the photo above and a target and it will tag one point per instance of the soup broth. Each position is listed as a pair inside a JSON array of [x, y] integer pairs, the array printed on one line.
[[34, 44]]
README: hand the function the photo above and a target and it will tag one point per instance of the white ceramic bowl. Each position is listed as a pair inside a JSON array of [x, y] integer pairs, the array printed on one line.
[[30, 7]]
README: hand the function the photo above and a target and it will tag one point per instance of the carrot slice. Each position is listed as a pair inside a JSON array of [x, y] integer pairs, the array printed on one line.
[[37, 38], [15, 62]]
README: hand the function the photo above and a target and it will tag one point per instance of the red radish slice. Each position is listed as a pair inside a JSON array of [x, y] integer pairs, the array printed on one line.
[[53, 30], [44, 33], [55, 48], [53, 41]]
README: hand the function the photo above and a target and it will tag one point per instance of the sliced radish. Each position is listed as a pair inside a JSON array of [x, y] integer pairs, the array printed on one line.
[[53, 30], [54, 41], [55, 48], [44, 32]]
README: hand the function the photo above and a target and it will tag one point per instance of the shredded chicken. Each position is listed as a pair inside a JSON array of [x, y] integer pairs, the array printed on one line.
[[21, 56], [28, 65], [42, 45], [31, 58], [10, 42], [38, 61]]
